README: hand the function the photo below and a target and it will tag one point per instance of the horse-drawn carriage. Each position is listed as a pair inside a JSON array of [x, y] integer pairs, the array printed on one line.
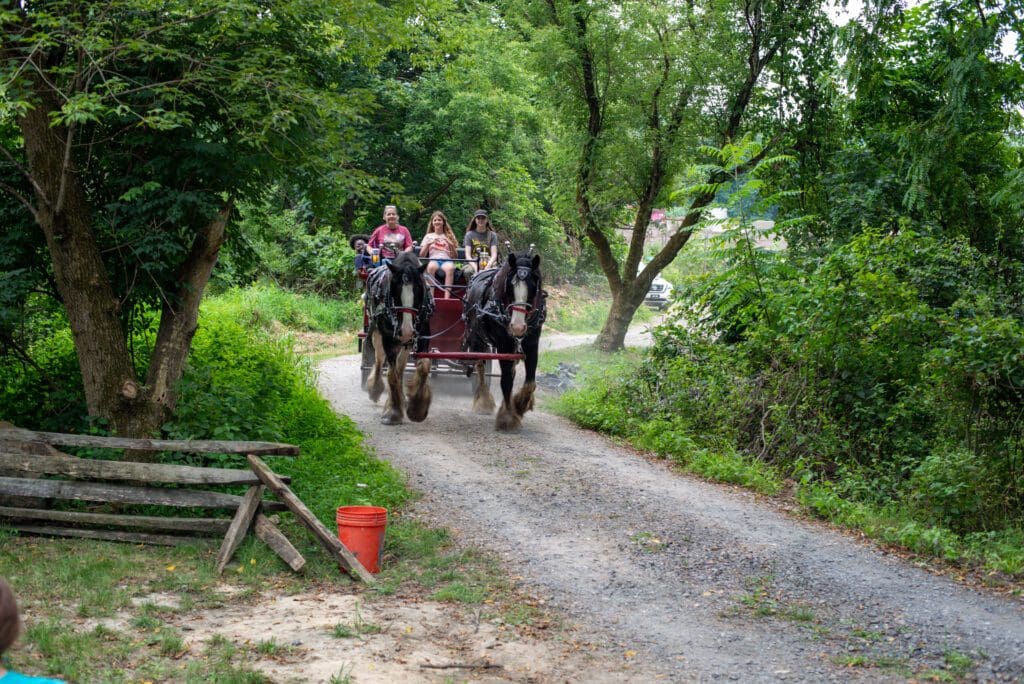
[[409, 317]]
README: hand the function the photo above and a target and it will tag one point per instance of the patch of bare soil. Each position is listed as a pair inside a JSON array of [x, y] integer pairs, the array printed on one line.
[[700, 582], [330, 635]]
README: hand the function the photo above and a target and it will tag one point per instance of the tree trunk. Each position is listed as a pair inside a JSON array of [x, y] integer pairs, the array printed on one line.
[[347, 216], [65, 219], [179, 320], [112, 389], [624, 305]]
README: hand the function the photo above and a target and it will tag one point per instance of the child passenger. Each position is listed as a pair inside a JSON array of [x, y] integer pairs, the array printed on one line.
[[440, 246], [481, 243]]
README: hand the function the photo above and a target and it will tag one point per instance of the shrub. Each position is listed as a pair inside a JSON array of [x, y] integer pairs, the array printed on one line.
[[961, 489], [45, 393]]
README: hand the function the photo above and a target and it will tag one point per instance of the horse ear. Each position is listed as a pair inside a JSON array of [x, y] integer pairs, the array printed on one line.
[[536, 261], [391, 267], [512, 260]]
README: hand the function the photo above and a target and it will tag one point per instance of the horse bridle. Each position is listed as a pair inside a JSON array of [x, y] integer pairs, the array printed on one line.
[[407, 310], [394, 312]]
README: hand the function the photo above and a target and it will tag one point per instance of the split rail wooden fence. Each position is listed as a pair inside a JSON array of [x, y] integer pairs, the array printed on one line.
[[35, 475]]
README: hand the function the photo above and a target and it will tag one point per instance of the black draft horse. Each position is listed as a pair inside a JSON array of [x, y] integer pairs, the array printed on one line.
[[505, 309], [398, 308]]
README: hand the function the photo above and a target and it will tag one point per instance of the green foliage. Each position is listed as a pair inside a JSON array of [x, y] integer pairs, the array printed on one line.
[[32, 396], [735, 292], [672, 410], [268, 308], [235, 381], [288, 246], [929, 131]]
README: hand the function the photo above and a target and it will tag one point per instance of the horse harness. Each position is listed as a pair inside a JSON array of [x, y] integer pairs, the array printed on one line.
[[382, 305]]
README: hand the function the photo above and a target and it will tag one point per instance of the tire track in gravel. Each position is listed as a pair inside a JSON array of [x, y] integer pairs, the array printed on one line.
[[705, 582]]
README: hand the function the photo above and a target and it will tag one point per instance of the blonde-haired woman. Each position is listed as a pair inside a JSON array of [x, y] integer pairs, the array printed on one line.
[[440, 246]]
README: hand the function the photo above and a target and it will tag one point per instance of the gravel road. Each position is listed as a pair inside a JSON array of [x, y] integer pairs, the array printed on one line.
[[704, 582]]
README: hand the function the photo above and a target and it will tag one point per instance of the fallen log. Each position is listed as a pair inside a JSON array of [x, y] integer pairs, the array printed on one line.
[[240, 525], [125, 471], [151, 523]]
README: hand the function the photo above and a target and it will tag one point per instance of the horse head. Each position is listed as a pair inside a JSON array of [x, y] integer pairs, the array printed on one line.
[[520, 292], [407, 293]]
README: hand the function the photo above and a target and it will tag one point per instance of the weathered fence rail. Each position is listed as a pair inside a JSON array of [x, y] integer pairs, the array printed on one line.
[[34, 475]]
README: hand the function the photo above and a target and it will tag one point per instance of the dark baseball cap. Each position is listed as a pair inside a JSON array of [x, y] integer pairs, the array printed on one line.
[[479, 212]]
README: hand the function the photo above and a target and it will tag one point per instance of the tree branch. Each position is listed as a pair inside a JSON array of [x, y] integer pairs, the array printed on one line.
[[178, 325], [28, 176], [429, 201], [21, 198]]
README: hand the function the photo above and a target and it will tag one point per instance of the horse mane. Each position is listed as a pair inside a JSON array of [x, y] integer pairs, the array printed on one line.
[[406, 260]]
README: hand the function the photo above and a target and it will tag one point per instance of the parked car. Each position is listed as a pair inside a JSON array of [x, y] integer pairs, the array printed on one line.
[[660, 294]]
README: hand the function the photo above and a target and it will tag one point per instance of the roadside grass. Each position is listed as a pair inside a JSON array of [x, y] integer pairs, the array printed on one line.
[[592, 405], [83, 623], [591, 362], [999, 552], [268, 307], [317, 327]]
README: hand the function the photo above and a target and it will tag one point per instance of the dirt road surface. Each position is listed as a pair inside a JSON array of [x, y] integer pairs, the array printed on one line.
[[701, 582]]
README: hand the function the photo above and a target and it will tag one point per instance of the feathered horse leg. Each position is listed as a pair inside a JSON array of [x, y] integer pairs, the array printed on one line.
[[483, 402], [374, 382], [395, 405], [507, 420], [523, 400], [419, 393]]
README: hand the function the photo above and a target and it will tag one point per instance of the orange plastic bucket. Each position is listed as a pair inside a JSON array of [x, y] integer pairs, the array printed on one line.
[[361, 529]]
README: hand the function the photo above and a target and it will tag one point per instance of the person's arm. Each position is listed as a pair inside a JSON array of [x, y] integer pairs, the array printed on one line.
[[425, 244], [408, 238], [374, 240]]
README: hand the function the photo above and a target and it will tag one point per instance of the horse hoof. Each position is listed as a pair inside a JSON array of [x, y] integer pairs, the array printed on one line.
[[417, 413], [507, 421], [391, 419]]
